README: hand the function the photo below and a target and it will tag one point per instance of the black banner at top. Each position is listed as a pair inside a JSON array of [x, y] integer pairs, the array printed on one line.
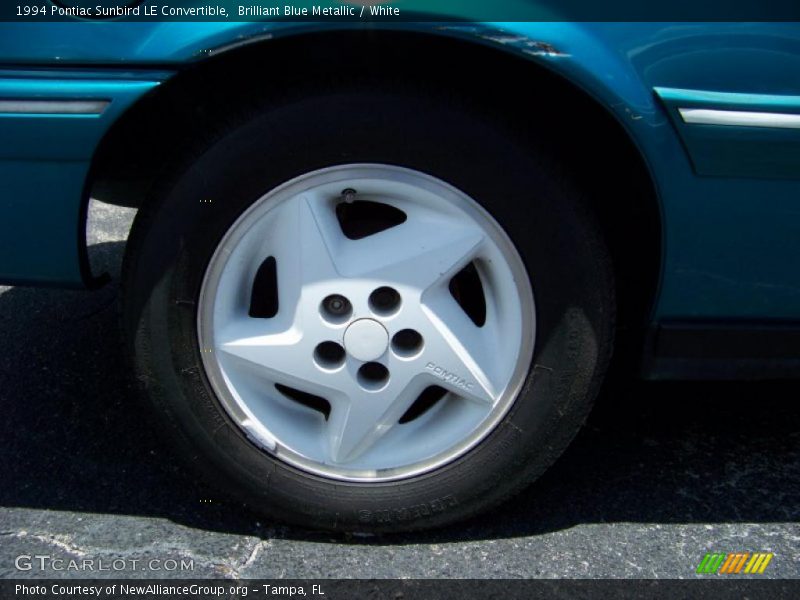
[[398, 10]]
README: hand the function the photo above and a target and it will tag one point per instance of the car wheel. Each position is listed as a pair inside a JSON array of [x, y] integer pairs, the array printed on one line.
[[369, 310]]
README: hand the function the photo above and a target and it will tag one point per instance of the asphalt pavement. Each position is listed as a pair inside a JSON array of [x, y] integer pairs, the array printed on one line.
[[661, 475]]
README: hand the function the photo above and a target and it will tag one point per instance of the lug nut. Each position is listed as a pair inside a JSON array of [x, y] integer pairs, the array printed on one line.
[[384, 301], [407, 343], [336, 308], [329, 355], [336, 305], [372, 376]]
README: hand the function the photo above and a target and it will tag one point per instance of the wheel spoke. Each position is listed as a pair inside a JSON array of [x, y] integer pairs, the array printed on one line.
[[284, 358], [459, 363], [418, 253], [357, 424], [307, 242]]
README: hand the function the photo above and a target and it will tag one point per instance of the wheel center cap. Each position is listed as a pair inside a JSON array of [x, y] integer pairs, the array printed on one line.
[[366, 339]]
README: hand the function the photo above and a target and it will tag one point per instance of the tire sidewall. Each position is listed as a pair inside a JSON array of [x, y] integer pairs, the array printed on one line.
[[178, 231]]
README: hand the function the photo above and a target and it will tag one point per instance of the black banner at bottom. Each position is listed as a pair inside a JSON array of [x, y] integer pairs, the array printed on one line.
[[402, 589]]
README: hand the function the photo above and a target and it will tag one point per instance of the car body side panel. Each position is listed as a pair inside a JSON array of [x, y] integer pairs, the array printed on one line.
[[737, 135], [44, 162], [727, 238]]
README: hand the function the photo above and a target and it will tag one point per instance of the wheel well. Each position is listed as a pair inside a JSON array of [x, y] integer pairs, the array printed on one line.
[[173, 120]]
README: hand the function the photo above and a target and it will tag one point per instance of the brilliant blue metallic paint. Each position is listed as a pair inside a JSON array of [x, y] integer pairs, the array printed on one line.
[[735, 151], [44, 162], [730, 244]]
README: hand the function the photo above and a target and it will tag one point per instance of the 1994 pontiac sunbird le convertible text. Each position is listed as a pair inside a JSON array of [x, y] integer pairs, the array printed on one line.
[[378, 273]]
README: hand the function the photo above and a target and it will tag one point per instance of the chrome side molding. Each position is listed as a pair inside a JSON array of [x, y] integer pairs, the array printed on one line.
[[52, 107], [739, 118]]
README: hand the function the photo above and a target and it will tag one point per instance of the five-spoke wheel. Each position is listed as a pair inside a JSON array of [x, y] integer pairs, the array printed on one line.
[[332, 309], [375, 364]]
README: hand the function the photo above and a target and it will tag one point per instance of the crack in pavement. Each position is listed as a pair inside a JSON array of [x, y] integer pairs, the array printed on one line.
[[234, 571]]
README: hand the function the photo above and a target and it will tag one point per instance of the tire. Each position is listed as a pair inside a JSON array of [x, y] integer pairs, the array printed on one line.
[[510, 181]]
